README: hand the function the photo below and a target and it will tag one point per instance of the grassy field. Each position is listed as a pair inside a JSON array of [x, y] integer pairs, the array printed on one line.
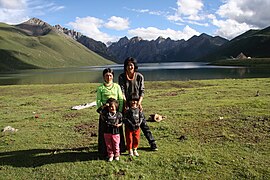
[[214, 129]]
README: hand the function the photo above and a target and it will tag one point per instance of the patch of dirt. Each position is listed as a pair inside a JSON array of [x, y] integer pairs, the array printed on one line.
[[230, 110], [173, 93], [251, 129], [88, 129], [120, 173], [71, 116]]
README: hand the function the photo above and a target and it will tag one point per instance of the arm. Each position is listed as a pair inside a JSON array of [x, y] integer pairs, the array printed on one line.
[[141, 91], [120, 98], [101, 109], [120, 117], [121, 82], [140, 103], [99, 97]]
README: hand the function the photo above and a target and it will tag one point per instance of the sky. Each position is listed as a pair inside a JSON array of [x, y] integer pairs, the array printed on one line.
[[110, 20]]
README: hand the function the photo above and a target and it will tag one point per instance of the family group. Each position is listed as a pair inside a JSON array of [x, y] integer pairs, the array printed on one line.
[[121, 104]]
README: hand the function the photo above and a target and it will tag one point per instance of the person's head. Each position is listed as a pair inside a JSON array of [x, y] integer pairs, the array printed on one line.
[[108, 75], [130, 65], [113, 105], [133, 103]]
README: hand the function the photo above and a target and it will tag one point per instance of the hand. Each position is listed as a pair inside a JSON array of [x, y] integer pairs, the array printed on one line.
[[140, 107], [118, 125]]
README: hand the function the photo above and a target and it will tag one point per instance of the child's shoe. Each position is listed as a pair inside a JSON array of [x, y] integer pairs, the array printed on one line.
[[110, 159], [130, 152], [117, 158], [135, 152]]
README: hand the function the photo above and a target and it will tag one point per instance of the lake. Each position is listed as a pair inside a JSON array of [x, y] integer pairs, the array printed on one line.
[[151, 71]]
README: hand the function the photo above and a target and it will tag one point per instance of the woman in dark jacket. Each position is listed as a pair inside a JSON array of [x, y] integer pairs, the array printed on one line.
[[132, 85]]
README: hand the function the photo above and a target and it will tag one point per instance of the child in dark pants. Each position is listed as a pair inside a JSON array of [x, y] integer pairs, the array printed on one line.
[[133, 118], [113, 120]]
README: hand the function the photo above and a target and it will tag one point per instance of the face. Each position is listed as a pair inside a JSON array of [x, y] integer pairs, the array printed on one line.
[[130, 67], [108, 77], [112, 108], [133, 104]]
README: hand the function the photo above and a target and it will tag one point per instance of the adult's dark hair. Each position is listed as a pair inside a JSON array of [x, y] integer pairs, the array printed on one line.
[[108, 70], [133, 61]]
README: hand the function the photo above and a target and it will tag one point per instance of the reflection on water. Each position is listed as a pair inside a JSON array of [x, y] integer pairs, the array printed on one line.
[[151, 71]]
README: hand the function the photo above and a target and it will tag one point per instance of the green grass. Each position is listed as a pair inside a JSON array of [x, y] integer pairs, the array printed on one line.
[[224, 123], [54, 50]]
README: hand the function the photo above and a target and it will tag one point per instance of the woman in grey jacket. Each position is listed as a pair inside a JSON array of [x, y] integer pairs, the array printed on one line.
[[132, 85]]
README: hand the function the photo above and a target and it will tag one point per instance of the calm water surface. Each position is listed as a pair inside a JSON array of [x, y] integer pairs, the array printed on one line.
[[151, 72]]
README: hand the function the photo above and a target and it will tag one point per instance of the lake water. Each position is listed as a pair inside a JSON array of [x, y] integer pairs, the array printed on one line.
[[151, 71]]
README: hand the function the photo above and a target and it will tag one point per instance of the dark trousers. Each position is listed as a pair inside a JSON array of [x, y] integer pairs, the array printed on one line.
[[146, 131]]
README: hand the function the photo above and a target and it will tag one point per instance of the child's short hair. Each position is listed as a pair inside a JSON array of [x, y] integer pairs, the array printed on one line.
[[111, 101], [134, 98]]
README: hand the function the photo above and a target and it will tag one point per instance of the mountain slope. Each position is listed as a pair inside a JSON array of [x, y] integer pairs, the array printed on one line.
[[253, 43], [35, 44]]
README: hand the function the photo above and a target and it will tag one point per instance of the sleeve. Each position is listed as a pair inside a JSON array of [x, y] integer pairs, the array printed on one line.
[[120, 98], [120, 118], [99, 110], [99, 97], [126, 120], [141, 117], [121, 82], [141, 88]]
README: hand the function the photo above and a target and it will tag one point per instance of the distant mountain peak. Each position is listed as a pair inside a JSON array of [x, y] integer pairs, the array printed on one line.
[[36, 21], [136, 39], [160, 39], [35, 27]]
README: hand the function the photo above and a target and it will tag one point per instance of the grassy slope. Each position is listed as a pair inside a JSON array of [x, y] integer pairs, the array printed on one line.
[[223, 125], [49, 51], [253, 43]]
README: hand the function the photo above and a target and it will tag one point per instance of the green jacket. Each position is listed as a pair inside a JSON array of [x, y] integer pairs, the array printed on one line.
[[104, 93]]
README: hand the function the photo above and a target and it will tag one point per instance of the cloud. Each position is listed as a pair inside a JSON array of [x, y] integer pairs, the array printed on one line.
[[18, 11], [90, 26], [189, 8], [157, 13], [239, 16], [13, 11], [230, 28], [12, 4], [117, 23], [188, 11], [151, 33], [255, 13]]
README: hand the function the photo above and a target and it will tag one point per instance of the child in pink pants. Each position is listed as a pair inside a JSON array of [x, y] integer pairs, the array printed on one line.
[[113, 121]]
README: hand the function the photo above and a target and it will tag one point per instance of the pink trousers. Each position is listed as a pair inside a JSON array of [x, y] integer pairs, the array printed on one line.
[[112, 142]]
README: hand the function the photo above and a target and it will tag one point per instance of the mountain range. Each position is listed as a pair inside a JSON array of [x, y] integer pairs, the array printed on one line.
[[36, 44], [253, 43]]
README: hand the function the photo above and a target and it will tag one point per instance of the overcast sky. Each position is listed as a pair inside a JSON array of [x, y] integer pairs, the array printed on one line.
[[109, 20]]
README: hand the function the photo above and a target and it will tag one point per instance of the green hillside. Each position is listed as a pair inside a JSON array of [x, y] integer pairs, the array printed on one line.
[[18, 50], [253, 43]]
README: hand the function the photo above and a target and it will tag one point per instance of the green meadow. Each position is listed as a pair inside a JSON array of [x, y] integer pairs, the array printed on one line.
[[214, 129]]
